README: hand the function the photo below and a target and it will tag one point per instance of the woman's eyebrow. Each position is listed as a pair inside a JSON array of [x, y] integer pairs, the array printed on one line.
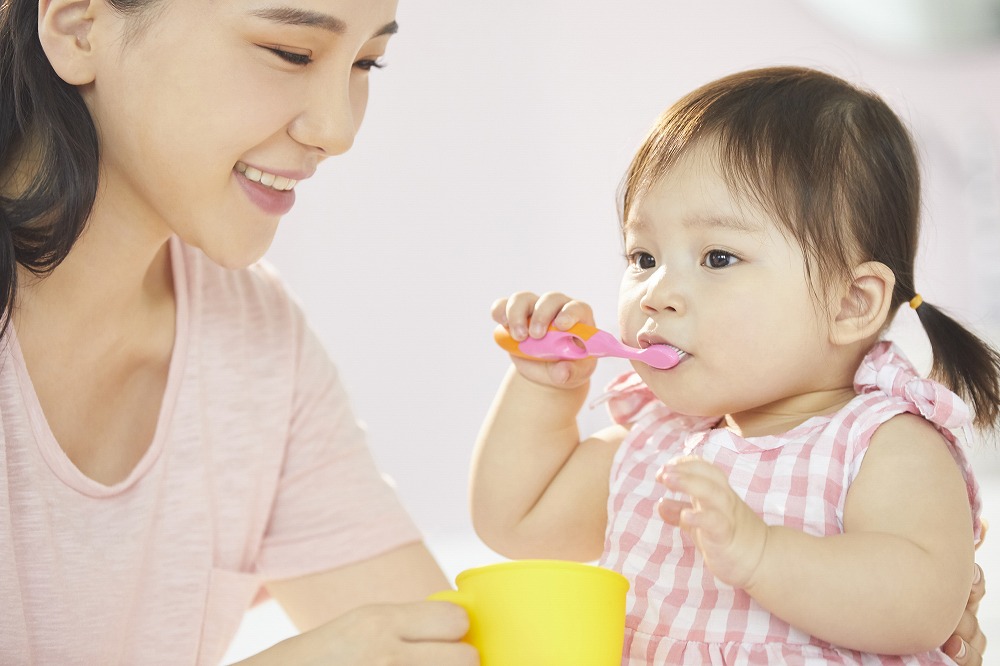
[[311, 19]]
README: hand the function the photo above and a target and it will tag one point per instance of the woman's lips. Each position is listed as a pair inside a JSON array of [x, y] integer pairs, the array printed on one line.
[[269, 199]]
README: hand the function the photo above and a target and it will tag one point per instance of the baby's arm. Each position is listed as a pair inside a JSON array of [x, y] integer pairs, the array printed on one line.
[[895, 582], [537, 490]]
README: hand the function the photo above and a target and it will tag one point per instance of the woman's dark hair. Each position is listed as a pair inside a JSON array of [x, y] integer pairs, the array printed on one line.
[[838, 169], [44, 125]]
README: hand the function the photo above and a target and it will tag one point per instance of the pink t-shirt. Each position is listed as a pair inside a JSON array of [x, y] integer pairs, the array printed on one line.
[[258, 471]]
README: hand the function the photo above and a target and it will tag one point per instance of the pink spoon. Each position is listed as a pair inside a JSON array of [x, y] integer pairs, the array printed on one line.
[[581, 341]]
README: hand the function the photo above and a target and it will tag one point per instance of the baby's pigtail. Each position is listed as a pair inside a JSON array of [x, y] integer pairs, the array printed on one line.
[[963, 362]]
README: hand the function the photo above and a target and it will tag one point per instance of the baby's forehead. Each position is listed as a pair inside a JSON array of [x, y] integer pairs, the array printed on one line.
[[724, 207]]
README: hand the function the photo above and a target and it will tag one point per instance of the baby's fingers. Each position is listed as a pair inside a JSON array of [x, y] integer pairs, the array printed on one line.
[[519, 310], [514, 312], [698, 479], [559, 310], [712, 524], [670, 510], [561, 374]]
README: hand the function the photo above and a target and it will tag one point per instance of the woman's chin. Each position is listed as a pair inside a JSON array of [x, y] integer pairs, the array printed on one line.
[[236, 257]]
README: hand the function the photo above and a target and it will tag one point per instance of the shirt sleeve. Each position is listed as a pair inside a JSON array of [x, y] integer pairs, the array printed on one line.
[[332, 506]]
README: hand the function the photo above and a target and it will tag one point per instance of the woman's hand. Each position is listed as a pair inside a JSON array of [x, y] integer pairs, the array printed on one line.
[[968, 644], [729, 535], [422, 633], [371, 612], [525, 314]]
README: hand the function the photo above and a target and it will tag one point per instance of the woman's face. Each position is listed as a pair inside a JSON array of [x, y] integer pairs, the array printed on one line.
[[211, 112]]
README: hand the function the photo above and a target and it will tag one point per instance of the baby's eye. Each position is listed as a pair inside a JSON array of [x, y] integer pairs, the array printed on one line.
[[642, 260], [719, 259]]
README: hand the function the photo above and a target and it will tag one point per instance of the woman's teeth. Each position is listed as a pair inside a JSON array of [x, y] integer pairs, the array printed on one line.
[[264, 178]]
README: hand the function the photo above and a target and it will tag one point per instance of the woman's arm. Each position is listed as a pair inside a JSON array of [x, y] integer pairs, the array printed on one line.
[[895, 582], [371, 612], [408, 573]]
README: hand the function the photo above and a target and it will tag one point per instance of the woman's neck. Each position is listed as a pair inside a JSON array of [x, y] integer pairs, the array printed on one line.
[[116, 276]]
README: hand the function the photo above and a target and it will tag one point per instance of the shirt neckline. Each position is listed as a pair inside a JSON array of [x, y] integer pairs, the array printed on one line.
[[60, 464]]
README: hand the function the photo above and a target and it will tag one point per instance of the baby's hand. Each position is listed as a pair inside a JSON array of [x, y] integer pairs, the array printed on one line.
[[725, 529], [526, 314]]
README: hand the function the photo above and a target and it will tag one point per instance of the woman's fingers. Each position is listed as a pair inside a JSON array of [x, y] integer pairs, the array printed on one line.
[[978, 590], [429, 621], [962, 653], [985, 527]]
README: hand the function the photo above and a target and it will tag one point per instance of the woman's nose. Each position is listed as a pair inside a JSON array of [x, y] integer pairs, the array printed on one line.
[[330, 119], [662, 292]]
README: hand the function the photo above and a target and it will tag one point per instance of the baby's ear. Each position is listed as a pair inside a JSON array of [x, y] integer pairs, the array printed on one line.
[[863, 306], [64, 30]]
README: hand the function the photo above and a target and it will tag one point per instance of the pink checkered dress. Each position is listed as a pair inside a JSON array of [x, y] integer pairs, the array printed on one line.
[[678, 613]]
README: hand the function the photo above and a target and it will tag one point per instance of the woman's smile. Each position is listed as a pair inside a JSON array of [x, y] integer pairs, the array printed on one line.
[[273, 194], [271, 180]]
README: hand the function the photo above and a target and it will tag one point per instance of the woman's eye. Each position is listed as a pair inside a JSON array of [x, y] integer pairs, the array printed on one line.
[[642, 260], [299, 59], [370, 63], [720, 259]]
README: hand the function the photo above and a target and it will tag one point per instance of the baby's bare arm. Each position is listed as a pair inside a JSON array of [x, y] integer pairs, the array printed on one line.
[[898, 579], [537, 490]]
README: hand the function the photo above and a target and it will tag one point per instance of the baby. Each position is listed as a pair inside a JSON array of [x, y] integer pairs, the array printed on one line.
[[792, 491]]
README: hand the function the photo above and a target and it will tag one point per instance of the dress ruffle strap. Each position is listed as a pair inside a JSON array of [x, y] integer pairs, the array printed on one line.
[[887, 370]]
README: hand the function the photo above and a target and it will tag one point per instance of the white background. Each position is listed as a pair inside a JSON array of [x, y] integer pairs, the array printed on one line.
[[489, 162]]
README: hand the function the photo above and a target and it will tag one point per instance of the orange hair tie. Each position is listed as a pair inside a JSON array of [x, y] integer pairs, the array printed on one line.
[[916, 301]]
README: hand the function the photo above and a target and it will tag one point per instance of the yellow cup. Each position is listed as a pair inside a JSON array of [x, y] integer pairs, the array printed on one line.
[[543, 613]]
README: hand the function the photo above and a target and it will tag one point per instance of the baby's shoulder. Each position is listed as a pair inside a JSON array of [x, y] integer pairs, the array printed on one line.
[[909, 434]]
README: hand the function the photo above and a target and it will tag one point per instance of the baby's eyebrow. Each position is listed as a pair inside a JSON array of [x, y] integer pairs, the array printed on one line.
[[724, 222], [637, 224], [634, 225]]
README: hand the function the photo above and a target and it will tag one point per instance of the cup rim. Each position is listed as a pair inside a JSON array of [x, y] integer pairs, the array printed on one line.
[[534, 564]]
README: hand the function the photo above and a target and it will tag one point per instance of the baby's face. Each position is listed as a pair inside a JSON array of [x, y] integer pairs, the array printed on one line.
[[713, 275]]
